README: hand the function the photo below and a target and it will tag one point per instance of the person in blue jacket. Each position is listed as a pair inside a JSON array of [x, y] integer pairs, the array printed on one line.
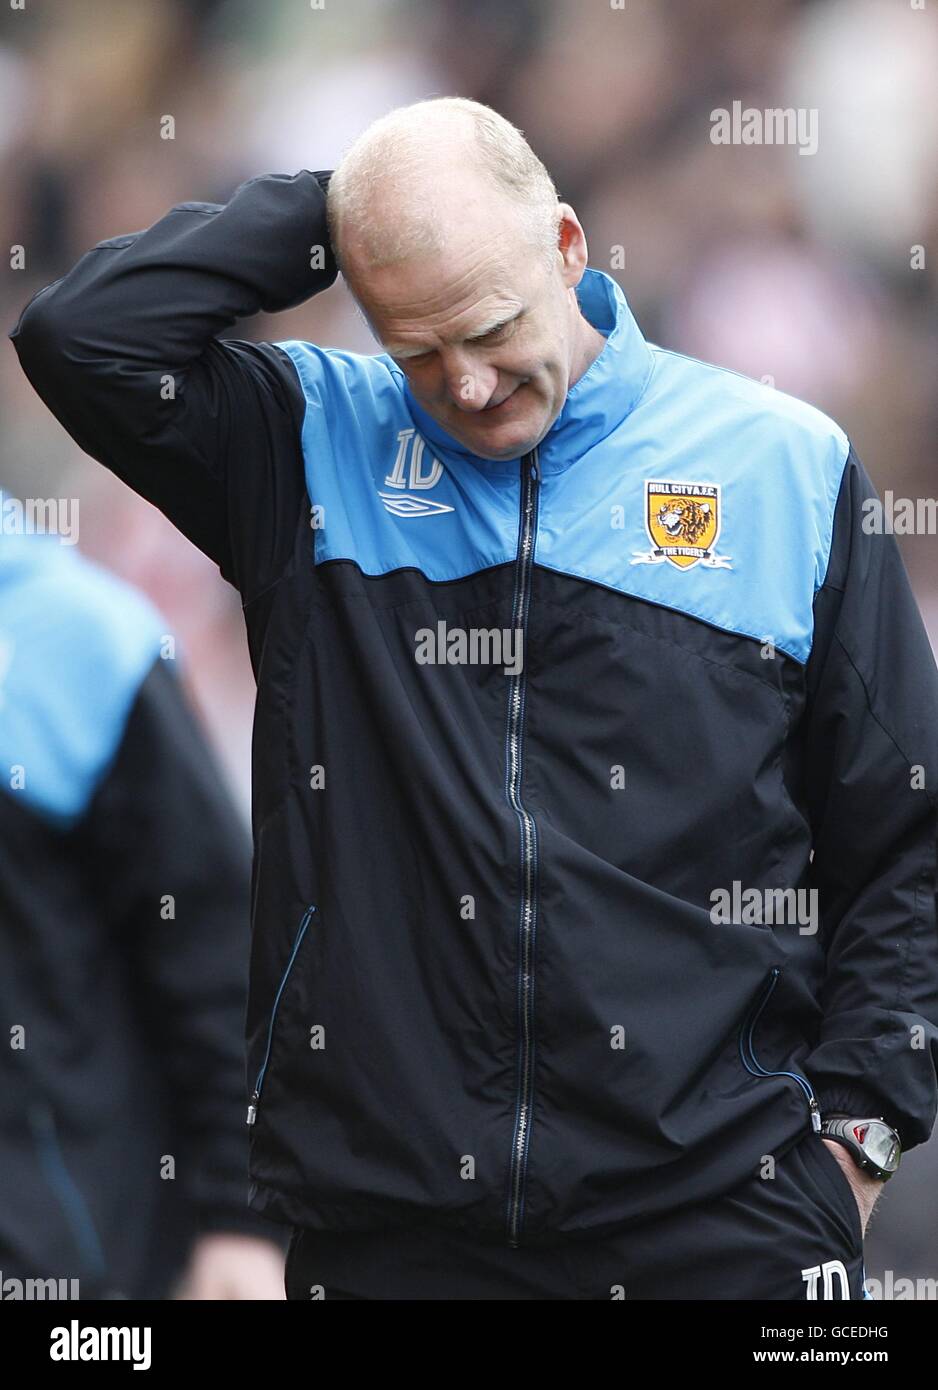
[[124, 905]]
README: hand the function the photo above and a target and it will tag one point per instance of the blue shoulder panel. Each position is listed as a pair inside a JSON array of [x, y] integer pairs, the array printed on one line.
[[715, 496], [75, 646], [382, 495]]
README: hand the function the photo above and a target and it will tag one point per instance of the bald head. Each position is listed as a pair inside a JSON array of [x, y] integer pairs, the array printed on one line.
[[413, 180]]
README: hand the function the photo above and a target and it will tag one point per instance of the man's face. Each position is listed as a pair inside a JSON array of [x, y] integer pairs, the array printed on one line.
[[485, 335]]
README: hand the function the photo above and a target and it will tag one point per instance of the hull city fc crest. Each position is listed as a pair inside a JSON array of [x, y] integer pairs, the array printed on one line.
[[683, 524]]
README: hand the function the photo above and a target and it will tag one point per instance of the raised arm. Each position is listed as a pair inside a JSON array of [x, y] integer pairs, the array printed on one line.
[[125, 352]]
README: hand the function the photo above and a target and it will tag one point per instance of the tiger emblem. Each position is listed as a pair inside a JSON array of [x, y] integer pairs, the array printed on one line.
[[688, 520], [683, 522]]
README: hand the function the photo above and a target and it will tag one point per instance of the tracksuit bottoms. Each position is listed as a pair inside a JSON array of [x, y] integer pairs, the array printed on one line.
[[794, 1235]]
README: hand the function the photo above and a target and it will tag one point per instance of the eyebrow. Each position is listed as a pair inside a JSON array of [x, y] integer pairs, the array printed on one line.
[[491, 325]]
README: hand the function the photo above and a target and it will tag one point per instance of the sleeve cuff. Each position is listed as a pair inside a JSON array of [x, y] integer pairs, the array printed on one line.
[[246, 1222], [852, 1101]]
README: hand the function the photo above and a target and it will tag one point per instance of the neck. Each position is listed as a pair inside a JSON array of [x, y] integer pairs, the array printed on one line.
[[591, 344]]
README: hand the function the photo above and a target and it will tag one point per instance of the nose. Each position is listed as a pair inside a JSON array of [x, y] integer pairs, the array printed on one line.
[[469, 383]]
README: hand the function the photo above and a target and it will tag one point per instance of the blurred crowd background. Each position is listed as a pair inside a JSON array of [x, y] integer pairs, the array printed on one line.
[[800, 269]]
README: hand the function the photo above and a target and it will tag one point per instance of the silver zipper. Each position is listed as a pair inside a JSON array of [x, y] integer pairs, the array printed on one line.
[[513, 773]]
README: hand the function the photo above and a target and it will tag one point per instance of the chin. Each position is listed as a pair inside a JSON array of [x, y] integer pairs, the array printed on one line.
[[514, 452], [513, 449], [518, 441]]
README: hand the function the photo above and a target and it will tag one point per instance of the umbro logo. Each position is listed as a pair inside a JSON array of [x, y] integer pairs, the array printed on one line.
[[403, 505], [410, 450]]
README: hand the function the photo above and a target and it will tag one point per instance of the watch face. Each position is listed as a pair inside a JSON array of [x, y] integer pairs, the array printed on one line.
[[878, 1142]]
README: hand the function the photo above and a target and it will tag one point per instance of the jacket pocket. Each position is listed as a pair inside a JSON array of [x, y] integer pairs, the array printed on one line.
[[838, 1185], [297, 943], [747, 1049]]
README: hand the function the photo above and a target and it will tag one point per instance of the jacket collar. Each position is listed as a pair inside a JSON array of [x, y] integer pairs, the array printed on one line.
[[605, 394]]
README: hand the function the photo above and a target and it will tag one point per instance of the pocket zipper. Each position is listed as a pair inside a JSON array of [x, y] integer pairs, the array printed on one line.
[[255, 1098], [757, 1069]]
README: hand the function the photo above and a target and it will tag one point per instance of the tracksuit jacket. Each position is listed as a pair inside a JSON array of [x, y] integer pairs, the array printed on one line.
[[490, 988], [124, 892]]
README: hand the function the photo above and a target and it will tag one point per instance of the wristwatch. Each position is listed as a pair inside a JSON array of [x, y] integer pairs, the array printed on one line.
[[874, 1145]]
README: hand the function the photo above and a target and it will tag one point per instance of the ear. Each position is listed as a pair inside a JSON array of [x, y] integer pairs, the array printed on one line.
[[571, 246]]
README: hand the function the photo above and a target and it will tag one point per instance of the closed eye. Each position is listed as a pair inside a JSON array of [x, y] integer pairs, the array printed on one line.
[[501, 331], [494, 335], [491, 337]]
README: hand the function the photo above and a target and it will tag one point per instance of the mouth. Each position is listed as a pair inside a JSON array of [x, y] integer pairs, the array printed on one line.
[[493, 409]]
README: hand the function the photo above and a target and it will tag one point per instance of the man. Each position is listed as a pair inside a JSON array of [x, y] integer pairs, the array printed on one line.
[[560, 641], [123, 955]]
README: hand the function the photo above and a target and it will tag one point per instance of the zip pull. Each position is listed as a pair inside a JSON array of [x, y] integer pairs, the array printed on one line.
[[815, 1115], [252, 1108]]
